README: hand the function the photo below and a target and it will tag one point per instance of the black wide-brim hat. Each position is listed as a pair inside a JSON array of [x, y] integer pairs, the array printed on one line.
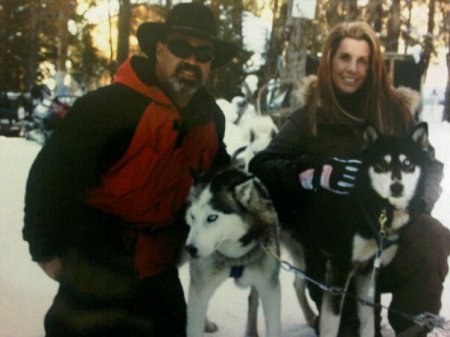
[[193, 19]]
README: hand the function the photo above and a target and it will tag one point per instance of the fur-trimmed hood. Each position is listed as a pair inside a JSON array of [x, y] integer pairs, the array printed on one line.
[[410, 97]]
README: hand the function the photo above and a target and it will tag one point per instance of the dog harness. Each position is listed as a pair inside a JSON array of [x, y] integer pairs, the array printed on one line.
[[237, 265]]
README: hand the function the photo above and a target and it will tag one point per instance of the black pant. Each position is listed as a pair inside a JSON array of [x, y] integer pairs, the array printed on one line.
[[415, 277], [155, 308]]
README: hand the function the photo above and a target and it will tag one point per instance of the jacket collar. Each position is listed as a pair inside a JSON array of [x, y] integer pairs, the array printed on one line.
[[138, 73], [140, 80]]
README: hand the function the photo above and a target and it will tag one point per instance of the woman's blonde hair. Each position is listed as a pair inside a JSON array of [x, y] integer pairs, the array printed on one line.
[[381, 106]]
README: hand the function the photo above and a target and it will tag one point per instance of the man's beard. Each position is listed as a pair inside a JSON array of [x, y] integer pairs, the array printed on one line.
[[182, 86]]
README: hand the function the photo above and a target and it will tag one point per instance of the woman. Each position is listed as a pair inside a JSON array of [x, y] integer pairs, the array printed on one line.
[[350, 90]]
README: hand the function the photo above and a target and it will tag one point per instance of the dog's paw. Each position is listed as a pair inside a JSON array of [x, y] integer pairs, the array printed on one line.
[[210, 326]]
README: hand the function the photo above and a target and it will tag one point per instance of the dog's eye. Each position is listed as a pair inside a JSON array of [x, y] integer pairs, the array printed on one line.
[[407, 164], [212, 217]]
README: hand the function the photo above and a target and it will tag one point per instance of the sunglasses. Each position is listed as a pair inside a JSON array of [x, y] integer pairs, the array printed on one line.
[[182, 49]]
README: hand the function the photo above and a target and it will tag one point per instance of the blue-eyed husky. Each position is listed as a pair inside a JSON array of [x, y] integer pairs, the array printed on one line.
[[230, 217], [359, 233]]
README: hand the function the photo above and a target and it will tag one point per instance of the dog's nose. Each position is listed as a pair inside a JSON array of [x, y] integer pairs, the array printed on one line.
[[396, 189], [192, 250]]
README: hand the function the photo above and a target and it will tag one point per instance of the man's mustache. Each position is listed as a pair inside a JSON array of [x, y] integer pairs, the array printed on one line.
[[189, 67]]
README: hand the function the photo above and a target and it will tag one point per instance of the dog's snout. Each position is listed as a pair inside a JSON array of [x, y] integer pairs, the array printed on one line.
[[192, 250], [397, 189]]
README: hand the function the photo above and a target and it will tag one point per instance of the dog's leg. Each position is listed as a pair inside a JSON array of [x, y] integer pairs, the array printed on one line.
[[300, 291], [252, 314], [270, 293], [199, 296], [331, 309], [297, 254], [329, 320], [366, 313]]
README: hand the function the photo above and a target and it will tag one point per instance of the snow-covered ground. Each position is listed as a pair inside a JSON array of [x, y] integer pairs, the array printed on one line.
[[26, 292]]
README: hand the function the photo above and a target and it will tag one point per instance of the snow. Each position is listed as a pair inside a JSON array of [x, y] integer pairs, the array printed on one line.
[[26, 292]]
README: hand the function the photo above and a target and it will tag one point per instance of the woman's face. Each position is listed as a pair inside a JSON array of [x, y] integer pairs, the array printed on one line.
[[350, 65]]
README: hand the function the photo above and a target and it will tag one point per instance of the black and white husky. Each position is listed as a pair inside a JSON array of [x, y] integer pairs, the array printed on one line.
[[359, 233], [231, 217]]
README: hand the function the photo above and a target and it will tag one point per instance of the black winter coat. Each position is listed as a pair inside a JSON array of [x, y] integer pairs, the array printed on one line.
[[296, 149], [94, 135]]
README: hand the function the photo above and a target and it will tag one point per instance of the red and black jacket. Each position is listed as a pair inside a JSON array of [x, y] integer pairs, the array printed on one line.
[[119, 163]]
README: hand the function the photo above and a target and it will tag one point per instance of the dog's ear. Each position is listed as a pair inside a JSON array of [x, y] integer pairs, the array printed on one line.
[[199, 176], [233, 176], [420, 135], [370, 135], [195, 174], [237, 152], [205, 176], [243, 192], [252, 193]]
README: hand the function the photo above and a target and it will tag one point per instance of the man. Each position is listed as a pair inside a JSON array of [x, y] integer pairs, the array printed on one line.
[[105, 196]]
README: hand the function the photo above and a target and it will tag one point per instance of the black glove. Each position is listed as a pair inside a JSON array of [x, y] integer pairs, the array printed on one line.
[[337, 175]]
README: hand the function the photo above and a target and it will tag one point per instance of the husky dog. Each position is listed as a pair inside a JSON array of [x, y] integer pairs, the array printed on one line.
[[362, 229], [231, 219], [254, 134]]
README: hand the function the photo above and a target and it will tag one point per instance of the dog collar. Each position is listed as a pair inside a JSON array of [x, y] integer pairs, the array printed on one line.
[[238, 264], [236, 271], [377, 226], [387, 242]]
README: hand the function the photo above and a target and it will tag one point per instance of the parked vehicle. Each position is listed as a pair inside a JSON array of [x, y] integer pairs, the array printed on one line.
[[13, 108], [46, 117]]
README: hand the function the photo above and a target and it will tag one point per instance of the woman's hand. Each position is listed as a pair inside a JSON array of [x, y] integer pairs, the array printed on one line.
[[337, 175], [52, 268]]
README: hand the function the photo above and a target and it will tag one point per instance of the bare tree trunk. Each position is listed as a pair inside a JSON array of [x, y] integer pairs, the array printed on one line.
[[393, 27], [215, 7], [446, 116], [62, 44], [168, 5], [112, 67], [296, 52], [375, 14], [33, 62], [408, 22], [276, 42], [4, 22], [352, 10], [226, 81], [124, 30], [332, 13], [428, 43]]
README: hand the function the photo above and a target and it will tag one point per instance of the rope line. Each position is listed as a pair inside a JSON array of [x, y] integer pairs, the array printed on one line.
[[425, 320]]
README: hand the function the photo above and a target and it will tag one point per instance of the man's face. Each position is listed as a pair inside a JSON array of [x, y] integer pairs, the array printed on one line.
[[183, 63]]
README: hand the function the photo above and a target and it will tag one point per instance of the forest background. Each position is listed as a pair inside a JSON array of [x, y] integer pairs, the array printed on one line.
[[88, 39]]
